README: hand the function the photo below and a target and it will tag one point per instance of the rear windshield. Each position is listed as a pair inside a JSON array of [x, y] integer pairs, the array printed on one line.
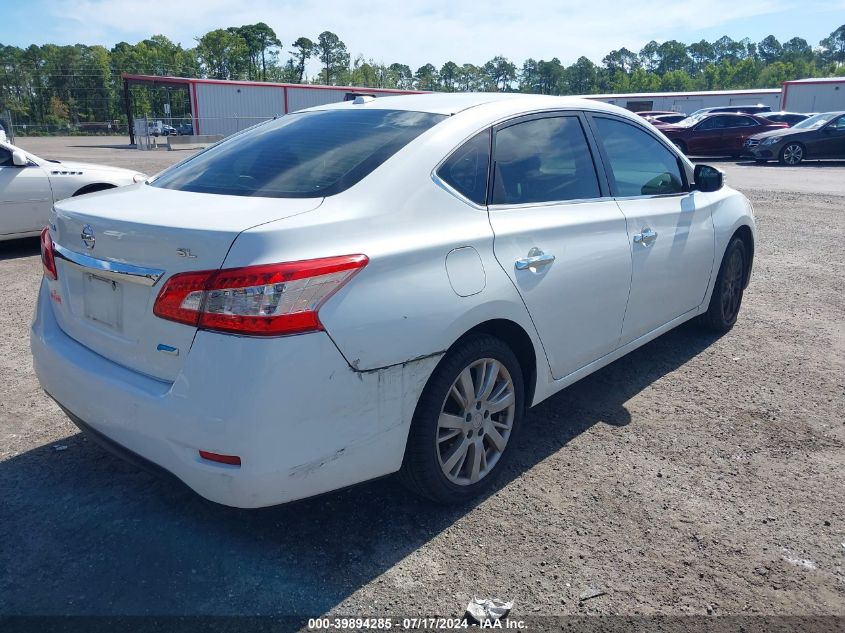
[[302, 155]]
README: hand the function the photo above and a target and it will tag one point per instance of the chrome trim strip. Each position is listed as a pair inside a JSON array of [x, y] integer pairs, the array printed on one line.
[[109, 268], [549, 203], [452, 191]]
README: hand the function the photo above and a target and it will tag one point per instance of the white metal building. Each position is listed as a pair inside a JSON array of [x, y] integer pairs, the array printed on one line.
[[226, 107], [688, 102], [814, 95]]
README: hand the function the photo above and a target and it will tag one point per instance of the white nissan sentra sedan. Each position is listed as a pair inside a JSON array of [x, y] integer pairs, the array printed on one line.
[[29, 185], [377, 286]]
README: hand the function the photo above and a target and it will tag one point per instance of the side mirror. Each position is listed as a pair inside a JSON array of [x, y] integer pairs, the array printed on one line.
[[19, 159], [708, 178]]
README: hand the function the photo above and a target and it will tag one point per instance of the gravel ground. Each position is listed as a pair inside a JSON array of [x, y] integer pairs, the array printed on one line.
[[697, 475]]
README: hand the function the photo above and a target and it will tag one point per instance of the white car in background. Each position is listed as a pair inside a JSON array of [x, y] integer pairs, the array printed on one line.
[[29, 186], [377, 286]]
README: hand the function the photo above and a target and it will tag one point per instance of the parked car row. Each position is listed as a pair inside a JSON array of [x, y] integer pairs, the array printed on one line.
[[754, 131], [717, 134], [159, 128]]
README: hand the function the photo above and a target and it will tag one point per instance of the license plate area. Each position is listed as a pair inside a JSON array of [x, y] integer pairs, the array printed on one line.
[[103, 301]]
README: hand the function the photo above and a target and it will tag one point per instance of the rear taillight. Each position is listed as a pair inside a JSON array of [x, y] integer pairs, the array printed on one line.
[[47, 258], [266, 300]]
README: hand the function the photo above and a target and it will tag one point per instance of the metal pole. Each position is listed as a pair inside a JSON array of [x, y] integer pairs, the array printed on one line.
[[127, 102]]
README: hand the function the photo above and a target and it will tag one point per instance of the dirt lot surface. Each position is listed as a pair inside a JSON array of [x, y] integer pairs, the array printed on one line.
[[107, 150], [697, 475]]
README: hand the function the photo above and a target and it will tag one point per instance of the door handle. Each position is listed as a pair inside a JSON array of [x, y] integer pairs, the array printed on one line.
[[536, 259], [646, 238]]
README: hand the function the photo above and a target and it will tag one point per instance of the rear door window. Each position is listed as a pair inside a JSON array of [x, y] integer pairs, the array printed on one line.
[[640, 165], [543, 160], [743, 121], [301, 155]]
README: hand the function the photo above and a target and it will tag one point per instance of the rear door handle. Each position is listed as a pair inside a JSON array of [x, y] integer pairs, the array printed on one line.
[[646, 238], [536, 259]]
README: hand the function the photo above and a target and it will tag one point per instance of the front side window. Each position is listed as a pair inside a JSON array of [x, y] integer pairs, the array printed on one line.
[[467, 168], [543, 160], [839, 124], [302, 155], [5, 157], [640, 165]]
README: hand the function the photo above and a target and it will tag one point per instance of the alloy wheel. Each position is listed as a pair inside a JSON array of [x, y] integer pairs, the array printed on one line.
[[475, 421], [793, 154]]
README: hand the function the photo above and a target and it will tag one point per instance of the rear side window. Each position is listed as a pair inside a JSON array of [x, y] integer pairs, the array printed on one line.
[[303, 155], [543, 160], [639, 163], [742, 121], [467, 168]]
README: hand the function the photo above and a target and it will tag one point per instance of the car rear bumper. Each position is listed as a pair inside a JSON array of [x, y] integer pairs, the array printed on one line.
[[301, 420]]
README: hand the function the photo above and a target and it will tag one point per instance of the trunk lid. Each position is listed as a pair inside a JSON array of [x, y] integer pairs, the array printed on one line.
[[142, 235]]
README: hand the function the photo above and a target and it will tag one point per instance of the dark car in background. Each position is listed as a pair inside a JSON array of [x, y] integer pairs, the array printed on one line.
[[720, 134], [790, 118], [820, 136]]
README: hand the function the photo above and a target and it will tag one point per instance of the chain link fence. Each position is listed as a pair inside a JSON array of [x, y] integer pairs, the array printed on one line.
[[154, 133], [7, 130], [88, 128], [150, 132]]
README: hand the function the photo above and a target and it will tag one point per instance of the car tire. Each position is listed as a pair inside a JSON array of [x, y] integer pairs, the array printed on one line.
[[455, 447], [682, 147], [792, 154], [726, 299]]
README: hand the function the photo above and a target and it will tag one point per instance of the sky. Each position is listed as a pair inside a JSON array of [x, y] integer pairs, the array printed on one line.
[[415, 32]]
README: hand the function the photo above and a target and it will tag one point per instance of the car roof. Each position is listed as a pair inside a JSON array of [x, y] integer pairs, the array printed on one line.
[[751, 114], [453, 102], [735, 107]]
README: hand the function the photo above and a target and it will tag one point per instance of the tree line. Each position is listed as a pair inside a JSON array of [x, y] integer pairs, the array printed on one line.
[[60, 85]]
